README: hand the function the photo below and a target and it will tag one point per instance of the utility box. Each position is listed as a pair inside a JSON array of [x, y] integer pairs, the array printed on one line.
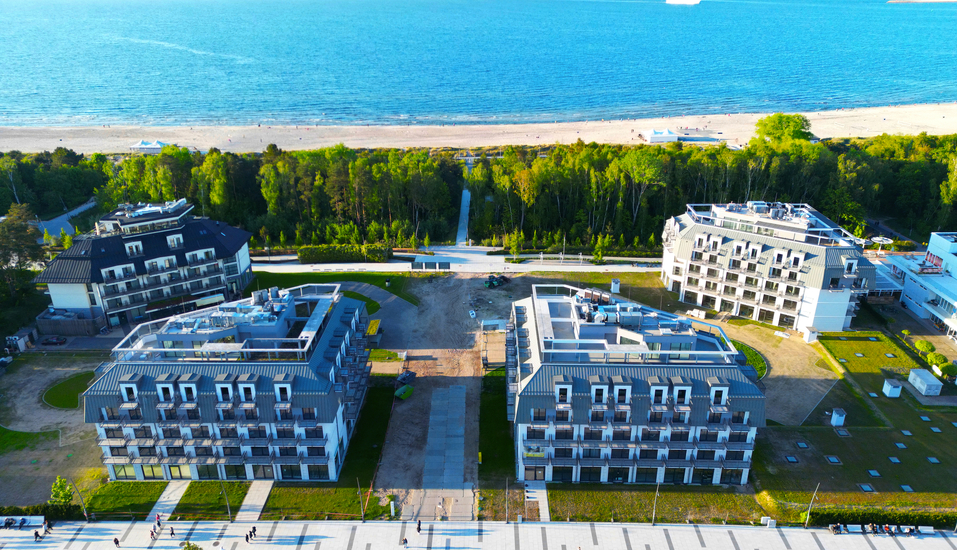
[[925, 382], [892, 388], [615, 286], [837, 417]]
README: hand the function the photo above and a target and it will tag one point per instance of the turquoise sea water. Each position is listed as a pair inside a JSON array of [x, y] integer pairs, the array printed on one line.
[[440, 61]]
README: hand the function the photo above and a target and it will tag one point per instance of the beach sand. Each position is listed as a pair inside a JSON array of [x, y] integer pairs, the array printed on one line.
[[737, 129]]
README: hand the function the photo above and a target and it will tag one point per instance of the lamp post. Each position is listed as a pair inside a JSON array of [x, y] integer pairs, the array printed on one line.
[[229, 513], [654, 509], [83, 504], [808, 518], [506, 500], [361, 509]]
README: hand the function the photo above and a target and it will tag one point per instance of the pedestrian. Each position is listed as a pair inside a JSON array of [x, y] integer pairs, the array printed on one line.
[[116, 542], [405, 543], [46, 529], [247, 538], [171, 532], [36, 536], [418, 527], [254, 531], [152, 534]]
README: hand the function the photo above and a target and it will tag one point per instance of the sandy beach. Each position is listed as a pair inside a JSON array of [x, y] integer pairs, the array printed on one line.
[[737, 129]]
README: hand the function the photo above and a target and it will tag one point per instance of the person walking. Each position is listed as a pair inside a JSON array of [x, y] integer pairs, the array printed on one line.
[[418, 527], [116, 542], [152, 534], [36, 536], [247, 538], [405, 543], [254, 531], [171, 532]]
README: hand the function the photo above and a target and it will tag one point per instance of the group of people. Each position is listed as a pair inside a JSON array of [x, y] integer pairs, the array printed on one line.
[[47, 528], [251, 534], [887, 529]]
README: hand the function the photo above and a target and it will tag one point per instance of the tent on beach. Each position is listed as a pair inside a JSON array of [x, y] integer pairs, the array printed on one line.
[[148, 148], [660, 136]]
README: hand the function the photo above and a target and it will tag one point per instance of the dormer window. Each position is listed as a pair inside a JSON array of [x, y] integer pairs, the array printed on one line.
[[562, 395], [129, 393], [134, 249], [165, 393], [188, 393], [681, 395], [225, 393], [598, 395], [174, 241], [658, 396], [283, 392], [717, 397], [247, 392], [850, 267]]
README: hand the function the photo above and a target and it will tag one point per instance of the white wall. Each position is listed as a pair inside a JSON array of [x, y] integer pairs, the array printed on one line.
[[242, 258], [69, 296], [914, 296], [829, 309]]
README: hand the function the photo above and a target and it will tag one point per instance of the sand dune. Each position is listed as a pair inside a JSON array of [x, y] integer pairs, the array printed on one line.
[[735, 128]]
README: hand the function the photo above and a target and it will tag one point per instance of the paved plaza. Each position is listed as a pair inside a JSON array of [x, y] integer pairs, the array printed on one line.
[[338, 535]]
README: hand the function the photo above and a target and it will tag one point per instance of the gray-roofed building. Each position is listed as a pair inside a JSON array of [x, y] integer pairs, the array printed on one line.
[[146, 261], [778, 263], [601, 390], [269, 387]]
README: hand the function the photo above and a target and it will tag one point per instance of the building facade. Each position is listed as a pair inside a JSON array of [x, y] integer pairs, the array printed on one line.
[[269, 387], [144, 262], [781, 264], [617, 392], [930, 289]]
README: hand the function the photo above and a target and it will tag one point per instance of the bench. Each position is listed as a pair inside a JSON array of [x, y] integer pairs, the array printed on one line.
[[855, 529], [925, 530], [32, 521]]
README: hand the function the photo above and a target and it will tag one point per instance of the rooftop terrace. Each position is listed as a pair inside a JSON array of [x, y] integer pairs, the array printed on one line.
[[791, 221]]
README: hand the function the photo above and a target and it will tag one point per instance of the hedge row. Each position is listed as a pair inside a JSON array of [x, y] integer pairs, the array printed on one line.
[[863, 516], [48, 511], [337, 253]]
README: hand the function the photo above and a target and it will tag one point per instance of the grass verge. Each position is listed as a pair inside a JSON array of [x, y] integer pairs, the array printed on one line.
[[66, 393], [123, 499], [498, 452], [397, 281], [740, 322], [371, 305], [379, 354], [204, 500], [309, 501], [17, 441], [755, 359]]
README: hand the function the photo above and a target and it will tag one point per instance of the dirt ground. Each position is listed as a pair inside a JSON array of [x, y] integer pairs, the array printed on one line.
[[71, 453], [444, 350], [794, 384]]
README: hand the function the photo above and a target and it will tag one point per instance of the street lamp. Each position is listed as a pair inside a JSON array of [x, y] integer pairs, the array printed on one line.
[[229, 513], [814, 496]]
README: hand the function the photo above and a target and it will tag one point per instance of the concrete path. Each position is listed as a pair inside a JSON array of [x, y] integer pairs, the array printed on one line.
[[444, 494], [395, 314], [458, 263], [255, 501], [535, 492], [462, 237], [169, 499], [63, 221], [385, 535]]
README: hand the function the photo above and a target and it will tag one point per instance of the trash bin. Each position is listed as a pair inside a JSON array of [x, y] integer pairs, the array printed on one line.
[[388, 282]]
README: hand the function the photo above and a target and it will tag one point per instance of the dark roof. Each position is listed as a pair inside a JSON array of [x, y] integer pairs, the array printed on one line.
[[83, 262]]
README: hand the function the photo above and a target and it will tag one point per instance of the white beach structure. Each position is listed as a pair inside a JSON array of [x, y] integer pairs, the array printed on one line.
[[661, 136], [148, 148]]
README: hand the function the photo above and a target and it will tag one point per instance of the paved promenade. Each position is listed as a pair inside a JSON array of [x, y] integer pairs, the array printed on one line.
[[335, 535]]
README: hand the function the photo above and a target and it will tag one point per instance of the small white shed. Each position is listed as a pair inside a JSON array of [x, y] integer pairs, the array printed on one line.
[[925, 382], [892, 388], [837, 417], [660, 136], [615, 286]]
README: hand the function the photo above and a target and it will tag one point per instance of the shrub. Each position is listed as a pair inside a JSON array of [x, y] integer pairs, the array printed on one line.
[[938, 359], [335, 253], [49, 511], [863, 516], [924, 346]]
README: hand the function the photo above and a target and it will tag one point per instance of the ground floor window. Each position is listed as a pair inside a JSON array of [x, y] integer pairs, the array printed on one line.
[[676, 287], [708, 301], [179, 472], [618, 475], [731, 476], [727, 305], [786, 321], [746, 311], [646, 475], [590, 474], [691, 297], [319, 472], [674, 475], [766, 316], [153, 472], [702, 476], [235, 472], [534, 473], [291, 472], [562, 473], [262, 472], [207, 472], [124, 472]]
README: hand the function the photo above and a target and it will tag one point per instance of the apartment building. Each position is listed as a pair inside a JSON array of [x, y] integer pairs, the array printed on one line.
[[781, 264], [145, 261], [269, 387], [601, 390], [929, 286]]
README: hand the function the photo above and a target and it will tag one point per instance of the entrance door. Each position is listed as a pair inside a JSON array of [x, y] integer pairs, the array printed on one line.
[[534, 473]]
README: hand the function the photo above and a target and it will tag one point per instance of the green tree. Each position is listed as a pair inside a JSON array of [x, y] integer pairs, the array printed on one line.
[[67, 241], [191, 546], [780, 128], [19, 248], [924, 347], [47, 238], [938, 359], [282, 239], [426, 242], [61, 492], [949, 370]]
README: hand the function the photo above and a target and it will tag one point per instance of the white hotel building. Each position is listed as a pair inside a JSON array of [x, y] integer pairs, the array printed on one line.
[[778, 263]]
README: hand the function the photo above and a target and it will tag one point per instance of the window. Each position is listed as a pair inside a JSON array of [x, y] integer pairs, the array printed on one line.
[[591, 453], [175, 451], [129, 393], [677, 454], [620, 453], [172, 433], [564, 434], [655, 417], [718, 397], [621, 435], [152, 472], [682, 396], [680, 418], [598, 416], [563, 395], [202, 431], [714, 418], [258, 432], [114, 433], [591, 435], [599, 395], [259, 451], [315, 451], [835, 282], [283, 414], [731, 278], [318, 472], [136, 414], [738, 437], [192, 414], [708, 436], [235, 472], [705, 455], [207, 472], [659, 396], [562, 416], [313, 433], [144, 432], [533, 433], [118, 451], [751, 282], [538, 415], [680, 435], [309, 414], [622, 395], [648, 454], [774, 273], [650, 435], [203, 451], [291, 471], [283, 393], [287, 451], [563, 453], [734, 455], [231, 451], [737, 417], [252, 414], [124, 472], [621, 416], [285, 433], [227, 414], [676, 271]]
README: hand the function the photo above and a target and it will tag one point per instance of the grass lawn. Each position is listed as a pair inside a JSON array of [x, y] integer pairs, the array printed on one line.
[[339, 500], [741, 321], [204, 500], [643, 287], [383, 355], [371, 305], [498, 451], [595, 502], [17, 441], [755, 359], [121, 499], [874, 365], [397, 285], [844, 396], [66, 393]]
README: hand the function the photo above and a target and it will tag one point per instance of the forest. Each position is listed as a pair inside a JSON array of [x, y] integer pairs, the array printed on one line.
[[579, 194]]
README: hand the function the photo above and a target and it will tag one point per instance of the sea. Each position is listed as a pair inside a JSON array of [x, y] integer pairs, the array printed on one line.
[[357, 62]]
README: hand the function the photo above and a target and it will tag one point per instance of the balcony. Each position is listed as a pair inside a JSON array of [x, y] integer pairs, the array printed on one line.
[[649, 462], [739, 445], [709, 445], [159, 269], [736, 464], [201, 260]]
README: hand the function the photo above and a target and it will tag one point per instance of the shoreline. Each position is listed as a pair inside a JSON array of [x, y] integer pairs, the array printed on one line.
[[736, 129]]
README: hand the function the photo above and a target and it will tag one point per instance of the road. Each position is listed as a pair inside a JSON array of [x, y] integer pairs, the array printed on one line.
[[63, 221], [377, 535]]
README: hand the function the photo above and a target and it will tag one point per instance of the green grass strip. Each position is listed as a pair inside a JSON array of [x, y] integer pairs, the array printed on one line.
[[66, 393], [755, 359], [371, 305]]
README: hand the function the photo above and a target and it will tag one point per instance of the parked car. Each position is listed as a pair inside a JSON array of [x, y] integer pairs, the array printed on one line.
[[54, 341]]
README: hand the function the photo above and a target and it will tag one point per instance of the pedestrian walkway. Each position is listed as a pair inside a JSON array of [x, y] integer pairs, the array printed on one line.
[[461, 237], [535, 492], [169, 499], [255, 501], [444, 492], [386, 535]]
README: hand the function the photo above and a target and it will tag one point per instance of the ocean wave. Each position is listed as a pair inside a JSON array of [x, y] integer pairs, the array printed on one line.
[[170, 45]]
